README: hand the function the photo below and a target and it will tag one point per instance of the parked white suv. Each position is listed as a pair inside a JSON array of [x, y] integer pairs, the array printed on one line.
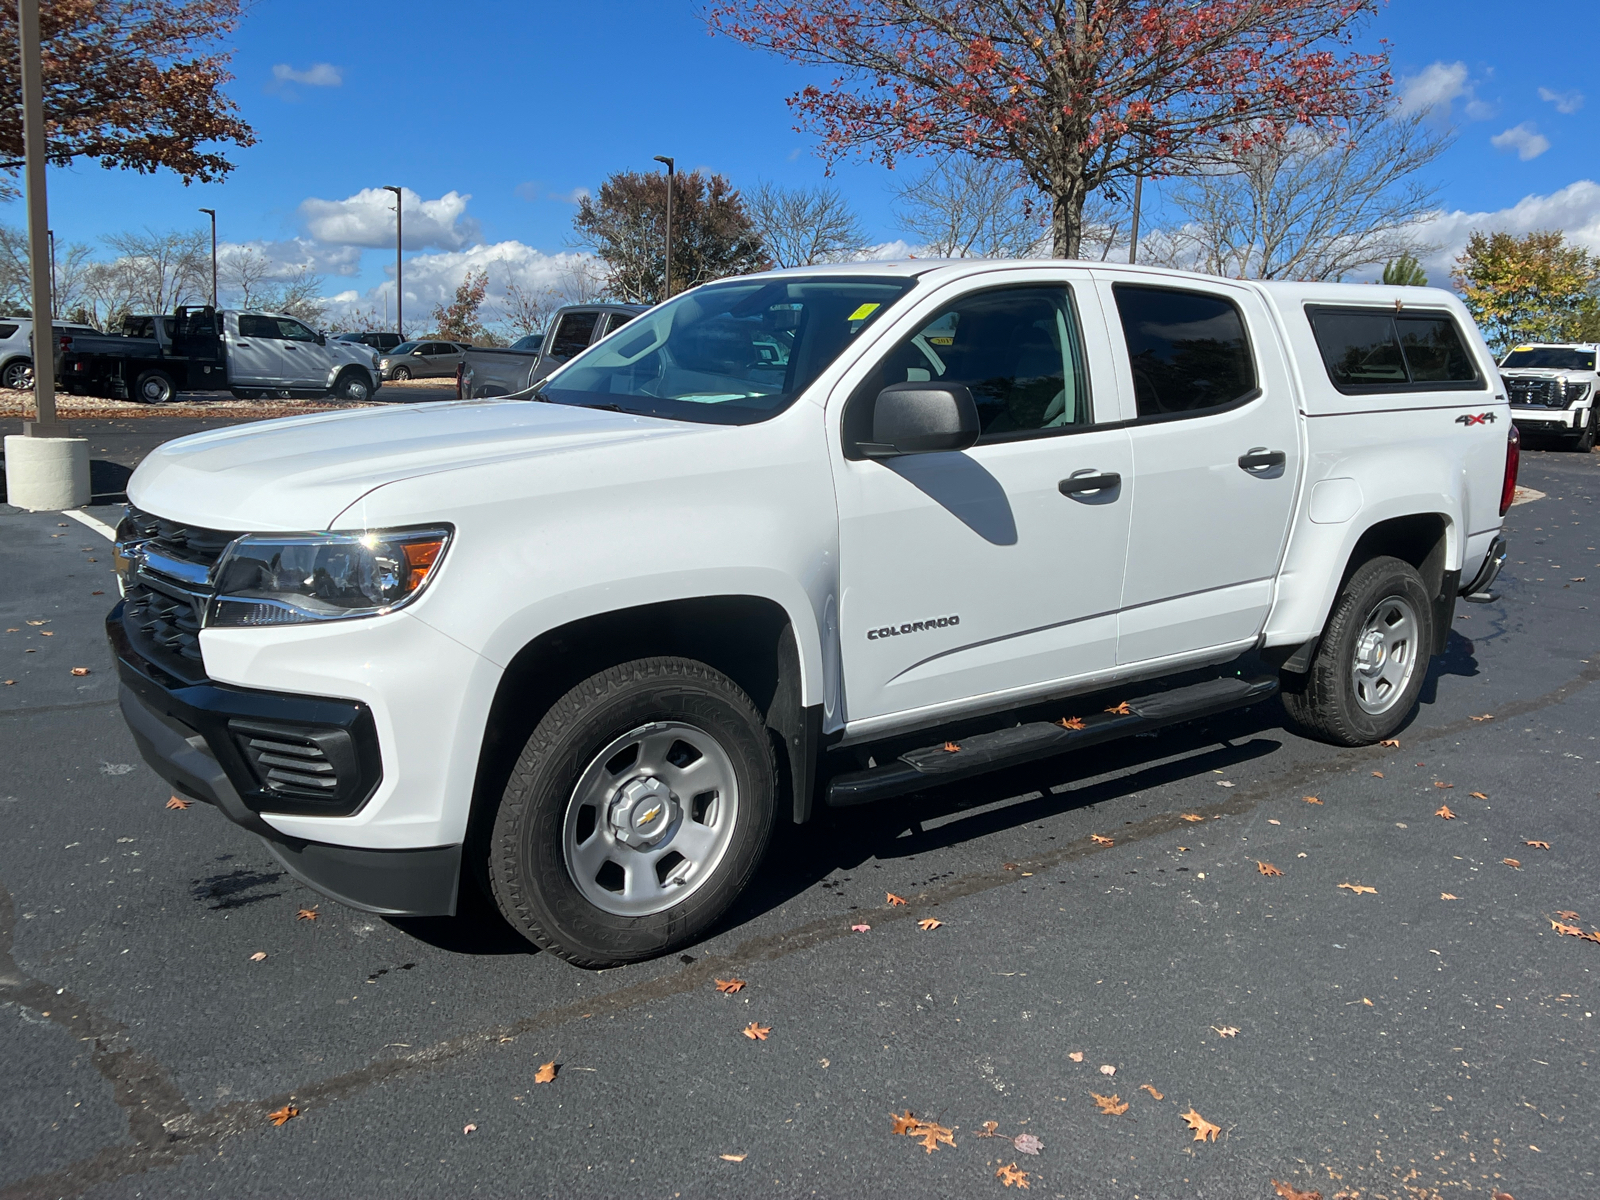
[[1552, 390], [16, 349], [806, 538]]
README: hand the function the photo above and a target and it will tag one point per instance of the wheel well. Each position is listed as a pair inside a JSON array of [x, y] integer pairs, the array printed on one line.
[[1419, 539], [741, 636]]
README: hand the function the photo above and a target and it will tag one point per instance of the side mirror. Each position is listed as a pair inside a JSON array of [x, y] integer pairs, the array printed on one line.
[[922, 418], [322, 339], [416, 353]]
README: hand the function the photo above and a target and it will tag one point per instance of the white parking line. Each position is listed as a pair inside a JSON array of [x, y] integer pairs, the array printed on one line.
[[93, 523]]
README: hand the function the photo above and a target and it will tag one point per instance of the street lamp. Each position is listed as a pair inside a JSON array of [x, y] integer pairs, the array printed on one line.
[[399, 298], [212, 213], [666, 291], [52, 235]]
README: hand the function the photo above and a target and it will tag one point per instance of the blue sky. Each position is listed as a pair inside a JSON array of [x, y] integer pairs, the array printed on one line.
[[495, 113]]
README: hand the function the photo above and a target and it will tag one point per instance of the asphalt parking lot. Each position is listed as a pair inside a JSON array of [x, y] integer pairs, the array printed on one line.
[[1394, 1015]]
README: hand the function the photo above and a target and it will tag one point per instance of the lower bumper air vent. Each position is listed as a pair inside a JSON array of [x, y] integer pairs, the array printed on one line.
[[300, 764]]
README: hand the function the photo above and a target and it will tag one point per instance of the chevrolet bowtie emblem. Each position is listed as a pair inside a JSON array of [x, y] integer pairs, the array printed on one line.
[[651, 815]]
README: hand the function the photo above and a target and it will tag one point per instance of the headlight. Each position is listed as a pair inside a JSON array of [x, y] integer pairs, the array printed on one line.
[[383, 362], [277, 579], [1573, 390]]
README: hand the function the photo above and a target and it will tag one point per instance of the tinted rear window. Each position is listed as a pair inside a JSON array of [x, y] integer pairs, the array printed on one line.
[[1188, 350], [7, 331], [573, 334], [1374, 350]]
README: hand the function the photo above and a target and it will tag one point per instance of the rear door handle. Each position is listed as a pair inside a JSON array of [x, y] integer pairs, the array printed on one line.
[[1092, 481], [1260, 459]]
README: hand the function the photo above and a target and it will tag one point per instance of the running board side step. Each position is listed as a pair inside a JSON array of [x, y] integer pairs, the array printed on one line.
[[983, 752]]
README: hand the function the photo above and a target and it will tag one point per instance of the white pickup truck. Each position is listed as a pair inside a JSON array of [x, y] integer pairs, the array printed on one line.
[[1552, 390], [800, 539]]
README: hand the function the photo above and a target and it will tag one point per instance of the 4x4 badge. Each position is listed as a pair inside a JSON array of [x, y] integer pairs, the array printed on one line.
[[1487, 418]]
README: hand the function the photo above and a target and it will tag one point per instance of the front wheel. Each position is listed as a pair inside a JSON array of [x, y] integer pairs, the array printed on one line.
[[1373, 657], [637, 812], [353, 385], [154, 387], [1584, 442], [399, 374]]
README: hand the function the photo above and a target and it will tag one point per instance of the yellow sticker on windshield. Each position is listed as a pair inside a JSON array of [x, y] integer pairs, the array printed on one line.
[[1520, 349], [863, 312]]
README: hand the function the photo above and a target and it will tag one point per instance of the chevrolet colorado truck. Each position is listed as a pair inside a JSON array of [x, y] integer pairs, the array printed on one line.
[[1552, 390], [796, 540], [249, 354]]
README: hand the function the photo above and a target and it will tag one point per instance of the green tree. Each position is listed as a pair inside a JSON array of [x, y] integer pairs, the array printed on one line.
[[1534, 288], [712, 234], [461, 320], [1405, 271]]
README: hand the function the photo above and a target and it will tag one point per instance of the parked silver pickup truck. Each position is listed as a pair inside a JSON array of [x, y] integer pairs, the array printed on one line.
[[507, 370]]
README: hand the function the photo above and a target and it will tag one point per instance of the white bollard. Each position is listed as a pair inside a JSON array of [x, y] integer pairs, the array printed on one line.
[[47, 474]]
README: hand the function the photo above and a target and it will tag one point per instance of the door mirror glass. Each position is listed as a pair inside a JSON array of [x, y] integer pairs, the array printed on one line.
[[922, 418]]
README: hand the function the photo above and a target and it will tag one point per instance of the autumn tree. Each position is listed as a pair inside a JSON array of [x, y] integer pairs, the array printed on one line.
[[1081, 95], [135, 84], [461, 320], [1314, 204], [800, 227], [1534, 288], [625, 225]]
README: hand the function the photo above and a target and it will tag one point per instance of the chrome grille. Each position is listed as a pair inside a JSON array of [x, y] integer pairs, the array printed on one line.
[[163, 624], [1544, 392], [174, 539], [167, 588]]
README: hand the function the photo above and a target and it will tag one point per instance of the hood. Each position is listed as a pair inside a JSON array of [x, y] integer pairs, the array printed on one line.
[[299, 473]]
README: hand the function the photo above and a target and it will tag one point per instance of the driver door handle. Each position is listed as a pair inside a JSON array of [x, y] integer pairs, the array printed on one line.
[[1095, 482], [1260, 459]]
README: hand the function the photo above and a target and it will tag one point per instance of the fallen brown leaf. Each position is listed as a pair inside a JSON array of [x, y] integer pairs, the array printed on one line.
[[1290, 1192], [861, 929], [46, 633], [469, 1128], [80, 670], [733, 1157], [1377, 774], [259, 956], [546, 1073], [1512, 863], [1312, 800], [1226, 1030], [756, 1033], [1010, 1175], [1203, 1128], [1154, 1095], [1477, 795], [1107, 1069], [951, 747], [1098, 840], [729, 986], [1193, 817], [1567, 915], [1360, 889], [1437, 784], [1485, 717], [1267, 868], [929, 1133], [929, 924], [895, 901], [1367, 1002], [1027, 1143], [1112, 1105], [283, 1115], [1075, 1055], [1536, 845], [1071, 722], [1120, 710], [45, 622], [903, 1122], [1393, 742], [1448, 896], [1566, 930], [307, 914], [990, 1129], [177, 802], [1444, 811]]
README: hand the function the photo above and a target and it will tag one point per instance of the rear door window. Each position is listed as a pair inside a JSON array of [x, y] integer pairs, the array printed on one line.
[[573, 334], [254, 326], [1369, 350], [1188, 351], [617, 320]]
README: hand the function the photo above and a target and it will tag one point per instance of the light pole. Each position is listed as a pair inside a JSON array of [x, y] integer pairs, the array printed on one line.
[[44, 366], [666, 290], [52, 234], [399, 298], [212, 213]]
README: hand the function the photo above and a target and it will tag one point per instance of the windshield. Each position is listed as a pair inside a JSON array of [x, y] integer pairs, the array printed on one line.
[[532, 342], [1558, 358], [729, 353]]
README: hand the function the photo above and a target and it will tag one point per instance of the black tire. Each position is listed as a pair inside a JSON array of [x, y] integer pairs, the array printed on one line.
[[18, 374], [153, 387], [400, 373], [527, 864], [1584, 442], [353, 384], [1324, 702]]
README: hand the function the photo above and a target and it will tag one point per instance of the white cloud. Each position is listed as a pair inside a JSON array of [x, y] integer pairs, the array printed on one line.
[[1565, 102], [293, 255], [1525, 139], [1574, 210], [317, 75], [367, 219], [1436, 87]]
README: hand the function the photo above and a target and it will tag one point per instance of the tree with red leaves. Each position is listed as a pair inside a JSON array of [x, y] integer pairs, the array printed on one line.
[[1082, 94], [135, 84]]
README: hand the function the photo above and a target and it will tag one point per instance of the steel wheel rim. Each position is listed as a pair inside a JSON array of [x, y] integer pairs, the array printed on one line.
[[629, 861], [355, 390], [1386, 655], [154, 391], [19, 377]]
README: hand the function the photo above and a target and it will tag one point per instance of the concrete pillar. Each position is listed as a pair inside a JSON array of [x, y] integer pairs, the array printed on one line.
[[47, 473]]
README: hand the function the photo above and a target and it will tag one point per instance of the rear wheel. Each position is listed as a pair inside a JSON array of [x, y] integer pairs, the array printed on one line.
[[638, 810], [400, 373], [18, 374], [154, 387], [1372, 660]]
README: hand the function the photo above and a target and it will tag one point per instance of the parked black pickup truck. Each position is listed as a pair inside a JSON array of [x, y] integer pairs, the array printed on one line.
[[506, 370], [202, 349]]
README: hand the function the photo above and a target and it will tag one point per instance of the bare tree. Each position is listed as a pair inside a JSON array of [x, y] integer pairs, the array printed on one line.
[[13, 270], [964, 207], [242, 274], [1312, 206], [803, 226], [527, 310], [160, 271]]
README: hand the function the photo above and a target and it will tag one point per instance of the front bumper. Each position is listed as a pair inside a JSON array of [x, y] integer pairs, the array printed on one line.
[[199, 737], [1539, 419]]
